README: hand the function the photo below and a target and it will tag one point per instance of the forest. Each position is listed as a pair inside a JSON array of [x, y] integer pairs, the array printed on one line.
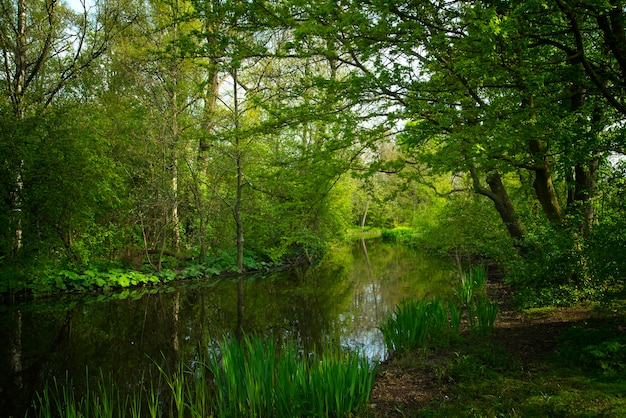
[[149, 140]]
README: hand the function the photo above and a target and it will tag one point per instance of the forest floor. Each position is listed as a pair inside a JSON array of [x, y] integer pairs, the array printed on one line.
[[566, 362]]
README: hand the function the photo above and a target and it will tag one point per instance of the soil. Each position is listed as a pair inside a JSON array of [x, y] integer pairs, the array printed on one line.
[[402, 388]]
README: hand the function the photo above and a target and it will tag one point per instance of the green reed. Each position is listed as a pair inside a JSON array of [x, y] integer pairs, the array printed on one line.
[[481, 312], [484, 311], [255, 378], [455, 316], [177, 383], [472, 284], [414, 324], [251, 378]]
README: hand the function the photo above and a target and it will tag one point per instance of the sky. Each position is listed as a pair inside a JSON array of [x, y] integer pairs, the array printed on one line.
[[77, 4]]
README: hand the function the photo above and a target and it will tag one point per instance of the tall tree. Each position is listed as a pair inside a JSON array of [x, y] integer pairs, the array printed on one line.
[[486, 83], [45, 47]]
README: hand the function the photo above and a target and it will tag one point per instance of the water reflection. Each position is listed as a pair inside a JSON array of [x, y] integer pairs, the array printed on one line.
[[340, 301]]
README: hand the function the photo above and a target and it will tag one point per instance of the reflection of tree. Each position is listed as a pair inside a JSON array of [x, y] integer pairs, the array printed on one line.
[[26, 371], [367, 259], [175, 314], [240, 310], [16, 351]]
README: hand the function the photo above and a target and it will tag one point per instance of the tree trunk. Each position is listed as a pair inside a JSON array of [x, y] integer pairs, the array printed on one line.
[[543, 183], [210, 104], [544, 189], [238, 163], [364, 218], [584, 185], [175, 140], [505, 208], [498, 195], [585, 190]]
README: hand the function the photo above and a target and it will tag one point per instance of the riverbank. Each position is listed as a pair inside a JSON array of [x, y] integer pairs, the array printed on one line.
[[568, 361]]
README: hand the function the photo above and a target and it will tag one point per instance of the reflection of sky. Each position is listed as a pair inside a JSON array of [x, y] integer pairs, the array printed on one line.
[[360, 331], [382, 276], [367, 342]]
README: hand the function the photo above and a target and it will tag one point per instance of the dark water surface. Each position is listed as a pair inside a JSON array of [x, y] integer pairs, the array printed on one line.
[[126, 335]]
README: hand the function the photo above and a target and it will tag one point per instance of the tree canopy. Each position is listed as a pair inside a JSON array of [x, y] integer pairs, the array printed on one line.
[[151, 133]]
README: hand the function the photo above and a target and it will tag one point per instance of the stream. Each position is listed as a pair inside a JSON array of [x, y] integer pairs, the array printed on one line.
[[129, 334]]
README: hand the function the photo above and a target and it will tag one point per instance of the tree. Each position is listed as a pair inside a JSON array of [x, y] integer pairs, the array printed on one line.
[[45, 48]]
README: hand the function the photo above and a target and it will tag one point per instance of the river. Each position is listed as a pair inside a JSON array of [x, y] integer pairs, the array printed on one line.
[[126, 335]]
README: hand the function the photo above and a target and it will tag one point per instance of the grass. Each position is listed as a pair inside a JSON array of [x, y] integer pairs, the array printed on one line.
[[251, 378], [416, 324], [486, 377], [548, 365], [485, 390]]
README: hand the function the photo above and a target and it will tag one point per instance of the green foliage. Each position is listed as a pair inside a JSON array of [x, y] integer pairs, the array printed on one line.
[[400, 235], [226, 261], [596, 348], [92, 279], [255, 378], [140, 153], [251, 378], [415, 324], [193, 271], [550, 259], [606, 245]]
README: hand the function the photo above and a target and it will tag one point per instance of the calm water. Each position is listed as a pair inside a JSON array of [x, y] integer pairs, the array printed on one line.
[[342, 300]]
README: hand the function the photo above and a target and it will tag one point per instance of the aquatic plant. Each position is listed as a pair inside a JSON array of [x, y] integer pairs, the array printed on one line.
[[455, 316], [472, 283], [251, 378], [482, 313], [414, 324], [421, 323]]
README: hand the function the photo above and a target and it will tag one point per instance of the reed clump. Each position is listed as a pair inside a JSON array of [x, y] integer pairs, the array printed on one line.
[[253, 379], [415, 324], [248, 378], [472, 295]]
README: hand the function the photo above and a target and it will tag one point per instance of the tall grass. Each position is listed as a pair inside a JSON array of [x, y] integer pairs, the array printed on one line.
[[472, 284], [251, 378], [482, 314], [471, 293], [416, 324]]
